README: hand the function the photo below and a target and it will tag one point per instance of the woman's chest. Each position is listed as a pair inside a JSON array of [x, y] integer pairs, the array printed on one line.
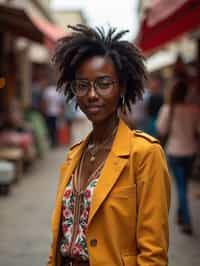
[[91, 167]]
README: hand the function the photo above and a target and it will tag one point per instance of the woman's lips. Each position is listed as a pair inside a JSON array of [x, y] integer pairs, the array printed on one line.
[[93, 109]]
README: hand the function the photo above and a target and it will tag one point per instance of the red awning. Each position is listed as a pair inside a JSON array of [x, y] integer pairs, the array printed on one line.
[[51, 33], [167, 20], [20, 23]]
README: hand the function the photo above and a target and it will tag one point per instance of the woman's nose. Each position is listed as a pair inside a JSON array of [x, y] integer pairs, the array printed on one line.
[[92, 92]]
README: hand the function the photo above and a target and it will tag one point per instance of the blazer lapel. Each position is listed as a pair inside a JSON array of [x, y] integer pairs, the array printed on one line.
[[110, 174], [74, 156], [115, 163]]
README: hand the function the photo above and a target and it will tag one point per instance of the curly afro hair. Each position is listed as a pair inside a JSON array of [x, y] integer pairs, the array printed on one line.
[[85, 42]]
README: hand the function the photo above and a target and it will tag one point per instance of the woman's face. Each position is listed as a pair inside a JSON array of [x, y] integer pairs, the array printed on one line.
[[98, 104]]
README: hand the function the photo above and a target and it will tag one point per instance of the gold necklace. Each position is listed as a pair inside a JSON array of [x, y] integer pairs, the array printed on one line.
[[94, 148]]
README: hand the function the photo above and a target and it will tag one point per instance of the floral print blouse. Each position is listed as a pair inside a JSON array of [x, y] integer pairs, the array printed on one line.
[[75, 213]]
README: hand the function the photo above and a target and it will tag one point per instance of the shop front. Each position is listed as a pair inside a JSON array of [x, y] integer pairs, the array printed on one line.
[[18, 30], [169, 22]]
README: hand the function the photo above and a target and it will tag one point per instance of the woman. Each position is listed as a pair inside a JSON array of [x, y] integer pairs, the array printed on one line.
[[181, 121], [113, 196]]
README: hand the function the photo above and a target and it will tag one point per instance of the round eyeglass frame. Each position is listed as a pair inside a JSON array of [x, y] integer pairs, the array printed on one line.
[[94, 86]]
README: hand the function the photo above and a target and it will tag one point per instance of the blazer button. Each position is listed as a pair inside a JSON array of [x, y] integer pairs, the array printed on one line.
[[93, 243]]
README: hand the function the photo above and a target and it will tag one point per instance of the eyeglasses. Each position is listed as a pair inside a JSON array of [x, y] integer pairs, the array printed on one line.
[[103, 86]]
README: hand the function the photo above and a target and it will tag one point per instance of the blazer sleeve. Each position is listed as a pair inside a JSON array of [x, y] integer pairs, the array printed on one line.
[[153, 202]]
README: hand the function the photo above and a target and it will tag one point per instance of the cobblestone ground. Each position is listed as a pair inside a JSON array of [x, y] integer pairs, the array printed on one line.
[[25, 219]]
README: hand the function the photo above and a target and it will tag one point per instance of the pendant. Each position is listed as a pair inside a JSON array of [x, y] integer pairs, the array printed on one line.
[[92, 159]]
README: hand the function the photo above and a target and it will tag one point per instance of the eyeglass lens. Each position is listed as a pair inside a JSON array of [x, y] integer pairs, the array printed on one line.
[[102, 86]]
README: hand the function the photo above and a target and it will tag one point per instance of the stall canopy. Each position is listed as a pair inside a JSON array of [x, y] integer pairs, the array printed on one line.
[[21, 23], [166, 20]]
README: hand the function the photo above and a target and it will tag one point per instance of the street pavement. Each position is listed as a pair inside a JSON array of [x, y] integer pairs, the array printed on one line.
[[25, 215]]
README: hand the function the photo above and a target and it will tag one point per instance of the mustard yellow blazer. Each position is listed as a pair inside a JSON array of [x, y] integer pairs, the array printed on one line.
[[128, 219]]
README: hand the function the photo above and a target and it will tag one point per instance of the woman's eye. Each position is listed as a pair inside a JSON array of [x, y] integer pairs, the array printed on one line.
[[104, 84], [82, 85]]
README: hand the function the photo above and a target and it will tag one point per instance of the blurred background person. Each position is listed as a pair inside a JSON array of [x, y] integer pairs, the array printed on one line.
[[183, 120], [36, 90], [153, 102], [53, 109], [136, 117]]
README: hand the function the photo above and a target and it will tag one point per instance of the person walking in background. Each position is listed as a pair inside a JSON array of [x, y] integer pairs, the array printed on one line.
[[180, 120], [114, 189], [153, 102], [53, 108]]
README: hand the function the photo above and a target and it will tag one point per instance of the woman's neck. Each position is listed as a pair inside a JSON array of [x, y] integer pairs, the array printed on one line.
[[103, 130]]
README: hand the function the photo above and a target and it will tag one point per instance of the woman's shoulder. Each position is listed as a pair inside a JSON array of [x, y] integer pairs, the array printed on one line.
[[181, 107], [145, 146], [193, 107], [141, 135], [143, 141], [188, 108]]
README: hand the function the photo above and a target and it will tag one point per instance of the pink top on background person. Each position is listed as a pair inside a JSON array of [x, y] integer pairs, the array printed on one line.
[[182, 139]]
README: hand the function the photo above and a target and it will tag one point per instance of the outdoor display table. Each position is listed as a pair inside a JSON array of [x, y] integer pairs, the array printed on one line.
[[14, 155], [7, 175]]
